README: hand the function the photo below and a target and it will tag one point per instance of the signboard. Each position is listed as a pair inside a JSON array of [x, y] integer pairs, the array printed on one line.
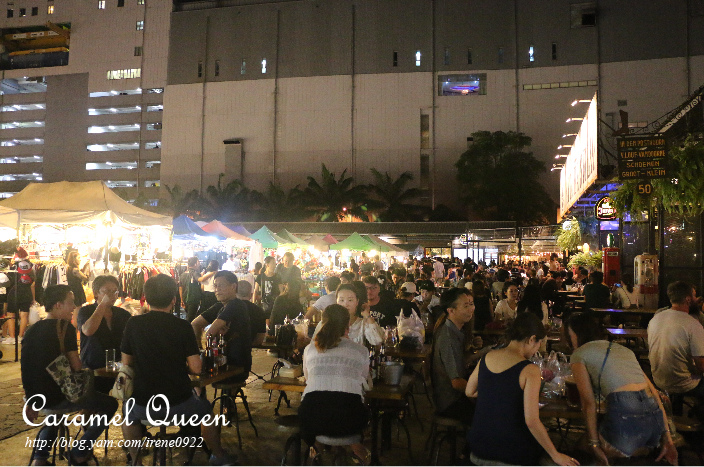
[[642, 157], [580, 169], [604, 209]]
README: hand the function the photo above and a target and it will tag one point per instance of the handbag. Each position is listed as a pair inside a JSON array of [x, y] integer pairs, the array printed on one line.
[[75, 385], [124, 383]]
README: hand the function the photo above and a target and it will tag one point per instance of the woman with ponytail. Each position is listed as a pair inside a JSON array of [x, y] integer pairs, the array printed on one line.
[[336, 371]]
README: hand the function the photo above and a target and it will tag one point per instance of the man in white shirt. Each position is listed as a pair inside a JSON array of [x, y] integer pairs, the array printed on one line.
[[232, 264], [676, 342], [438, 271], [316, 310]]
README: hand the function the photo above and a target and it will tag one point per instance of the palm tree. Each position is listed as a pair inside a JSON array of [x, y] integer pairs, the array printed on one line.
[[232, 202], [332, 199], [277, 205], [393, 198], [178, 202]]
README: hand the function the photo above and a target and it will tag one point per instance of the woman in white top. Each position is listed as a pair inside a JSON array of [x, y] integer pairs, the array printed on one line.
[[362, 325], [623, 295], [507, 308], [337, 372]]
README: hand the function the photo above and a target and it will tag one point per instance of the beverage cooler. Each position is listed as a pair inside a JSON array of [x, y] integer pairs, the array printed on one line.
[[611, 265], [645, 268]]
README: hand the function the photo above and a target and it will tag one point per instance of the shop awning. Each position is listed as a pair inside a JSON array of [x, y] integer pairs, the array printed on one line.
[[185, 229], [268, 239], [318, 243], [288, 236], [379, 245], [240, 230], [354, 242], [8, 217], [218, 228], [78, 203], [392, 247], [329, 239]]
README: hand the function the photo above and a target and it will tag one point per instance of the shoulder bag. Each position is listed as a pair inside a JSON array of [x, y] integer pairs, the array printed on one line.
[[124, 383], [75, 385]]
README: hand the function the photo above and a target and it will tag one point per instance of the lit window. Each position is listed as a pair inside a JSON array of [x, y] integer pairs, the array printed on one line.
[[531, 57], [154, 126], [395, 61], [101, 4], [140, 25], [140, 2], [152, 145], [264, 66], [50, 10], [243, 67], [462, 85], [155, 108], [417, 57]]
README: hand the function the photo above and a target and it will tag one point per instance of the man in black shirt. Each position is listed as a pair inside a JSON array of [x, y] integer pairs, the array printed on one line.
[[287, 271], [40, 347], [382, 310], [162, 349], [230, 319], [102, 325], [266, 285]]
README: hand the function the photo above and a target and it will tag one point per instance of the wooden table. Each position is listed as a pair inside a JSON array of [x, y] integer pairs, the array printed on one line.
[[630, 334], [197, 381], [282, 384], [645, 314]]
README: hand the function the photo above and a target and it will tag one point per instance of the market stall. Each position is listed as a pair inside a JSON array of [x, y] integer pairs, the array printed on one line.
[[245, 249]]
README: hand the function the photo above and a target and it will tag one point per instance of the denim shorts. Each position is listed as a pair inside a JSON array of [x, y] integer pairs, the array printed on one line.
[[633, 420]]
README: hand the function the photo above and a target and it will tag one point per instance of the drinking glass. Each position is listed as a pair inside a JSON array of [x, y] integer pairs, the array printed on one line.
[[110, 360]]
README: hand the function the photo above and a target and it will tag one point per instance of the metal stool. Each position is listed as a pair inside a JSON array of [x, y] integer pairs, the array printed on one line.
[[229, 392], [338, 443], [444, 428], [693, 432], [63, 433]]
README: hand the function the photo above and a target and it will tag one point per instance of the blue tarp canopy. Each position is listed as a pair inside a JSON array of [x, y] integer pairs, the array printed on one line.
[[185, 229]]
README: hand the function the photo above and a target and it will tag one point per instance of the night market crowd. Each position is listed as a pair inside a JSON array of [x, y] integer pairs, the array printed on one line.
[[492, 387]]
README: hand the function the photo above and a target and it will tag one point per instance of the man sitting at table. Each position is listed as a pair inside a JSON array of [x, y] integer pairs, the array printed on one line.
[[230, 319], [102, 325], [596, 293], [316, 310], [162, 349], [449, 374], [257, 316], [676, 343]]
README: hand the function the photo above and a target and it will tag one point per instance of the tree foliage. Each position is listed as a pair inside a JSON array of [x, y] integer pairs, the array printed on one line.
[[393, 198], [682, 192], [332, 198], [501, 181]]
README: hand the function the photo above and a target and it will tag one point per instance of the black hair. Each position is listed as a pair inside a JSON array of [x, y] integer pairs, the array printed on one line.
[[347, 275], [160, 290], [193, 262], [531, 301], [55, 294], [332, 283], [228, 275], [213, 265], [361, 298], [507, 285], [597, 277], [524, 327], [678, 292], [585, 327], [100, 281]]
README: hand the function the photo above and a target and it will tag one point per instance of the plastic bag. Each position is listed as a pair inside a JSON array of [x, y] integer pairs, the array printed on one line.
[[553, 370], [35, 313], [410, 328]]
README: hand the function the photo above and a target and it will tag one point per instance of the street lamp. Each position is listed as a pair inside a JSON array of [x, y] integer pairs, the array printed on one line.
[[569, 134], [574, 119], [564, 146], [561, 155], [557, 167], [578, 101]]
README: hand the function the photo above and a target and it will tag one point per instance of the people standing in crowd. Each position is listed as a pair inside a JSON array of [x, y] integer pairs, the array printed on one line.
[[448, 371], [337, 372], [20, 294], [77, 276], [257, 269], [555, 265], [532, 303], [231, 319], [363, 328], [635, 420], [44, 342], [438, 272], [596, 293], [163, 350], [206, 280], [346, 277], [287, 271], [507, 387], [315, 311], [286, 305], [676, 343], [266, 286], [507, 308], [101, 325], [232, 264], [190, 289], [483, 308]]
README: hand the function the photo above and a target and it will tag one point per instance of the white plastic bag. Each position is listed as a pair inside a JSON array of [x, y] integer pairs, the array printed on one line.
[[411, 326], [35, 313]]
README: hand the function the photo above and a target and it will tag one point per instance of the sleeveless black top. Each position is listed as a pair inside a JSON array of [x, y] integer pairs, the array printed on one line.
[[499, 431]]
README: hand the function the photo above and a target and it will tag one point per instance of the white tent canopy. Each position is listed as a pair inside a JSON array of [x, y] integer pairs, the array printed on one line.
[[76, 203], [8, 217]]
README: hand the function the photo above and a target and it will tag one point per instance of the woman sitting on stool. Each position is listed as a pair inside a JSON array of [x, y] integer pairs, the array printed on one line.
[[336, 371]]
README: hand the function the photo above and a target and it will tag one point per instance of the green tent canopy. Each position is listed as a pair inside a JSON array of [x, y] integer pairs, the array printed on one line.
[[290, 238], [269, 239], [355, 242], [379, 245]]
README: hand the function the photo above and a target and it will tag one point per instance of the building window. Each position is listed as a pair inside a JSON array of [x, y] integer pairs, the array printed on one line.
[[124, 74], [395, 62], [10, 12], [469, 56], [140, 2], [425, 131], [138, 51], [554, 50], [50, 10], [35, 10], [424, 171], [621, 103], [200, 69], [120, 3], [101, 4], [462, 85], [243, 67], [154, 126], [264, 66], [583, 15], [140, 25], [217, 67], [417, 57], [501, 54], [562, 84], [23, 12], [447, 55], [531, 56]]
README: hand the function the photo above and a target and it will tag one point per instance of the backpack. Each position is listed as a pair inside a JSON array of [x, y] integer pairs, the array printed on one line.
[[287, 337]]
